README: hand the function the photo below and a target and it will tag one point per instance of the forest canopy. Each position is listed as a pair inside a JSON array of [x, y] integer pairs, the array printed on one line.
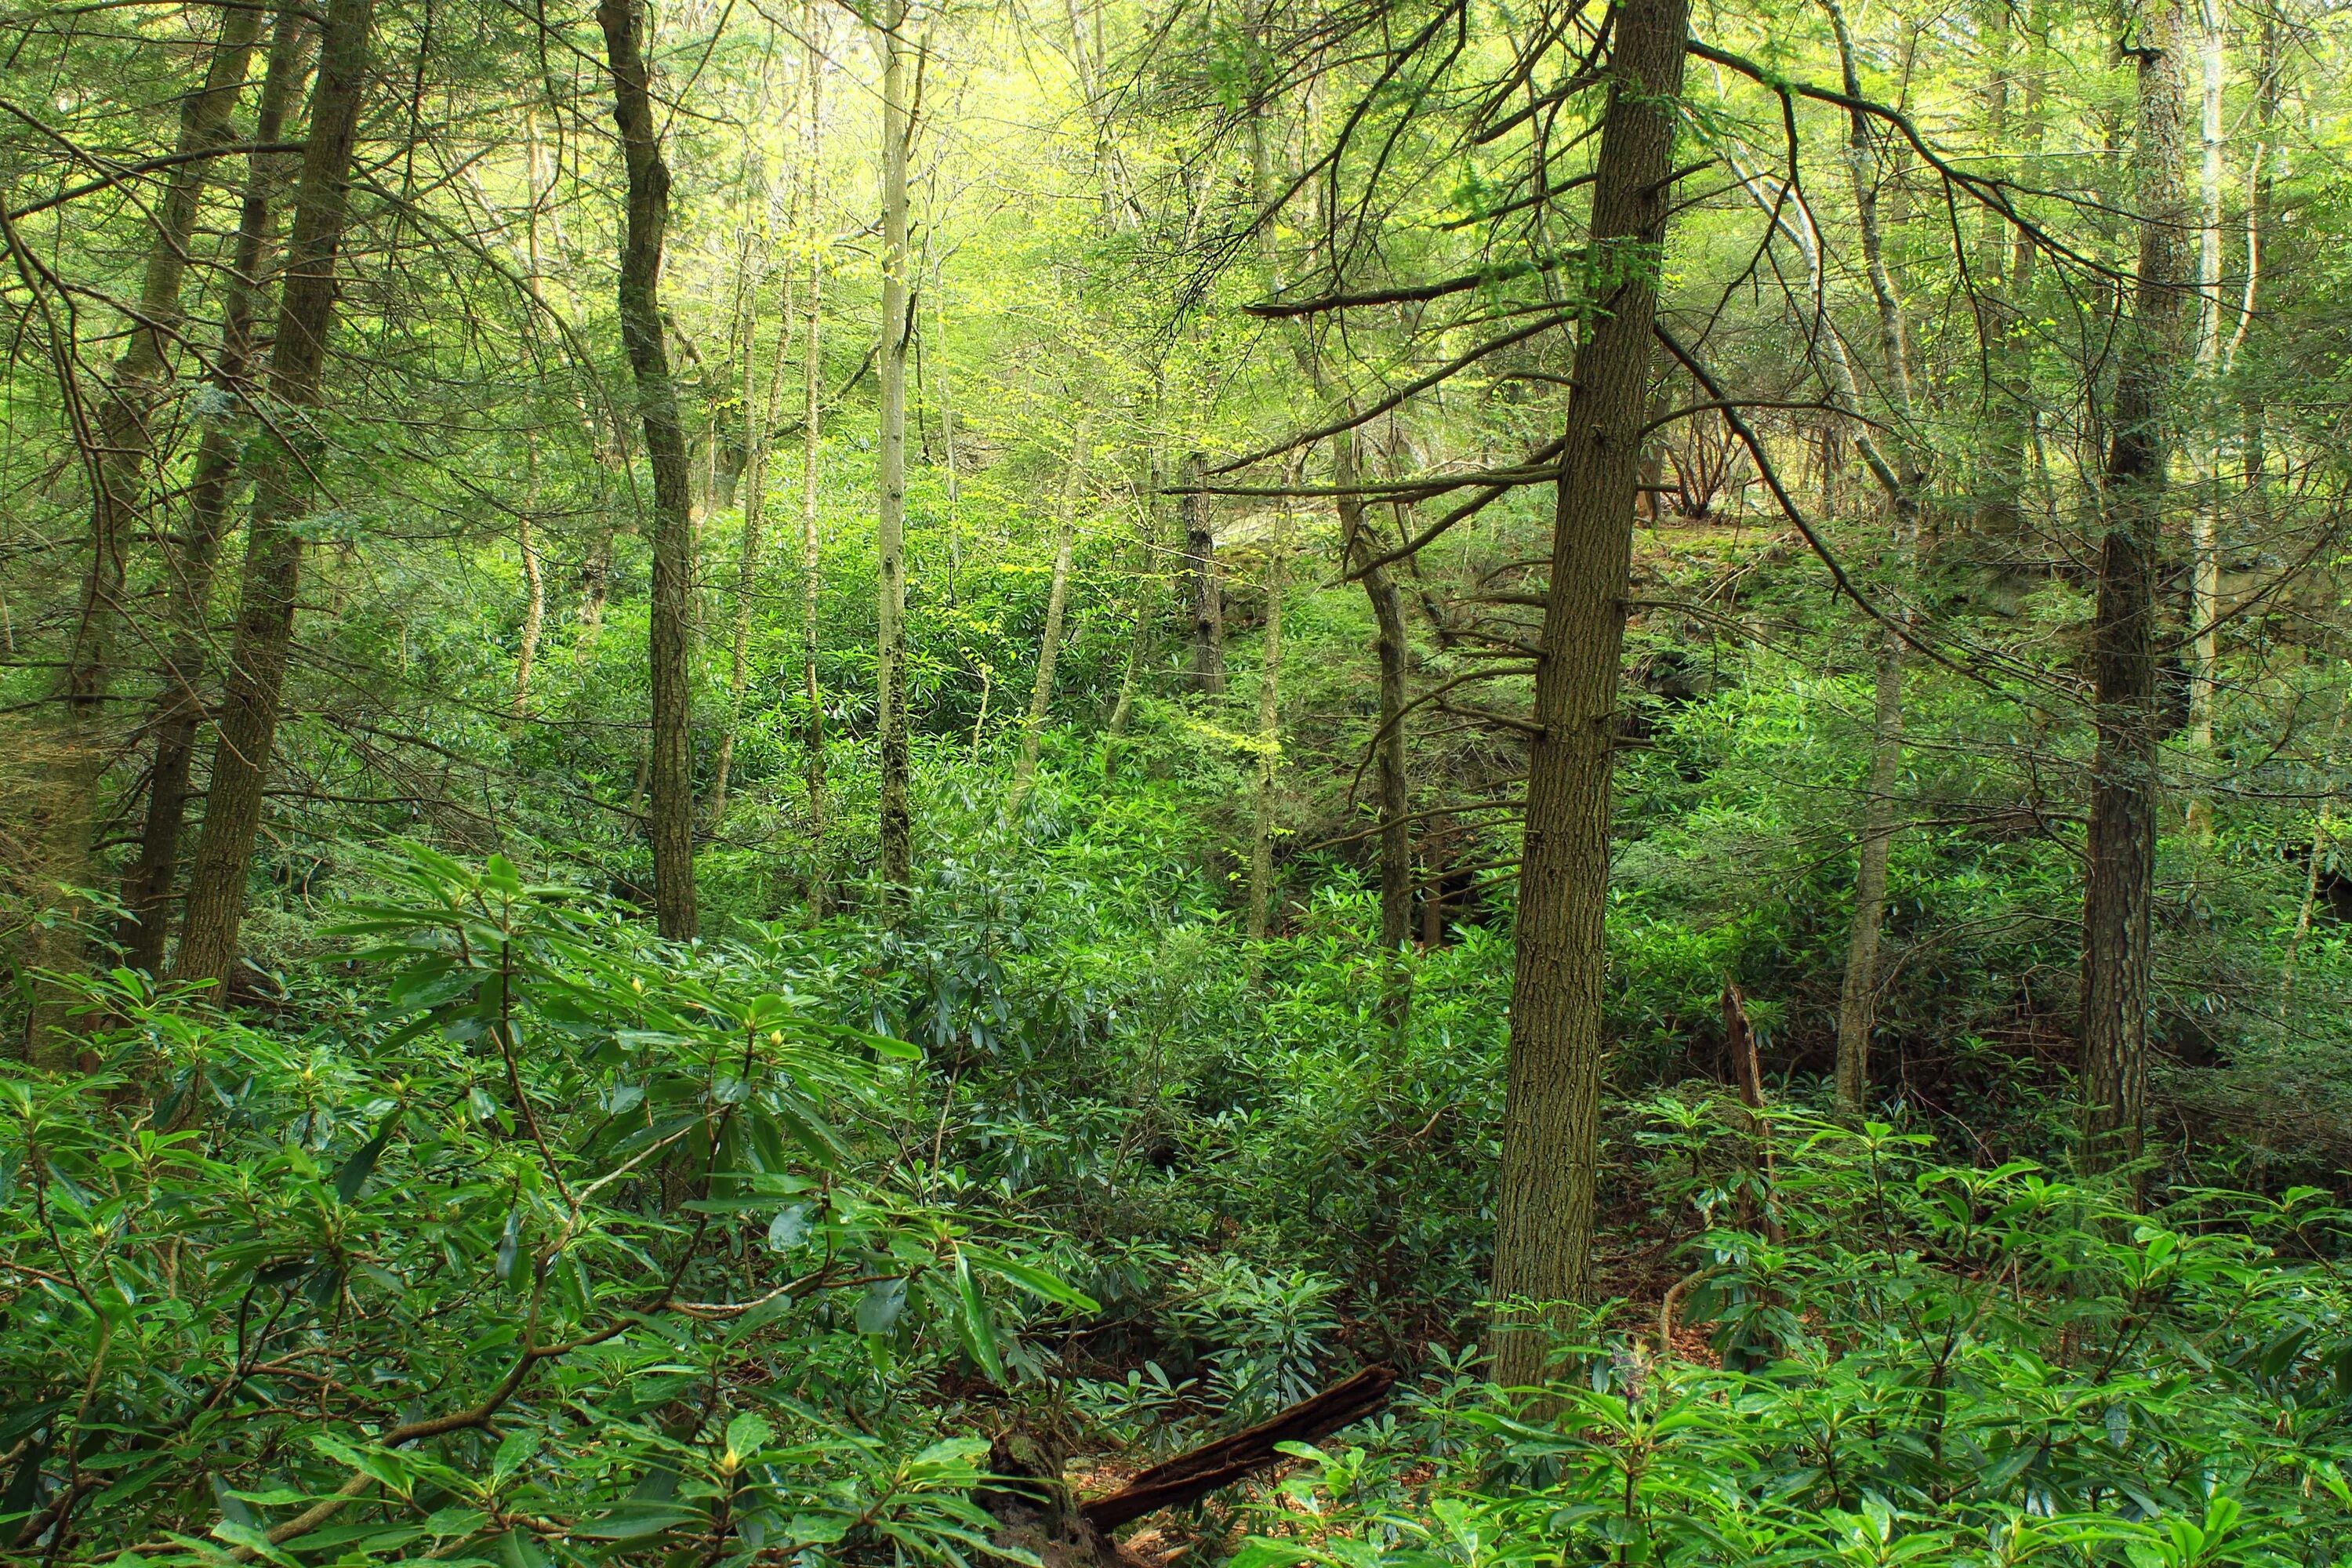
[[1370, 783]]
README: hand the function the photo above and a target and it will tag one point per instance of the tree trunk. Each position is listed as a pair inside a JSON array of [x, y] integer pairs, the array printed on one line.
[[670, 777], [2121, 852], [119, 472], [1207, 670], [1049, 644], [256, 678], [1544, 1212], [1269, 729], [2205, 558], [146, 920], [890, 468], [1904, 481], [759, 417], [811, 453], [1389, 750], [534, 584]]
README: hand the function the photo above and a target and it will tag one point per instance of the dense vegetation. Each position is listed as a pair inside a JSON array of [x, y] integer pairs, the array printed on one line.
[[771, 776]]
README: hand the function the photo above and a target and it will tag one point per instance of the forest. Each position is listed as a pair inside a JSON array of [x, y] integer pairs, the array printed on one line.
[[1364, 783]]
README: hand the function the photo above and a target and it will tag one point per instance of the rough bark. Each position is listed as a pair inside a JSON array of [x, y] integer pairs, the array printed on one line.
[[254, 681], [1543, 1233], [1207, 671], [669, 773], [2121, 851], [890, 468], [1049, 642], [534, 586], [191, 554]]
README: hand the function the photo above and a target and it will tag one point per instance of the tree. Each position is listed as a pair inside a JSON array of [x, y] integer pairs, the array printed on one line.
[[2120, 882], [890, 461], [670, 775], [255, 682], [193, 551], [1544, 1203], [1049, 640]]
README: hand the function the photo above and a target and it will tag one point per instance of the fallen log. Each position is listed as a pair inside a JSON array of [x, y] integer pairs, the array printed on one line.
[[1195, 1474]]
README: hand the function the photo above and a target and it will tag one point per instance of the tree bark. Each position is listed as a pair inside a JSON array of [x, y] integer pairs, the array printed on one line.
[[2121, 852], [669, 781], [2205, 558], [811, 453], [1049, 643], [1269, 729], [189, 560], [1858, 992], [1207, 669], [534, 586], [1544, 1212], [119, 472], [890, 468], [1388, 749], [760, 410], [256, 678]]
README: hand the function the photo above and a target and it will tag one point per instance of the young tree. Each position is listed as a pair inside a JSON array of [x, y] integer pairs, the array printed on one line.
[[890, 460], [1049, 641]]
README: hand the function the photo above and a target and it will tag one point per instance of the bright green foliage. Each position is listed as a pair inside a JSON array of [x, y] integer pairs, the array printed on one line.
[[1955, 1365], [565, 1224]]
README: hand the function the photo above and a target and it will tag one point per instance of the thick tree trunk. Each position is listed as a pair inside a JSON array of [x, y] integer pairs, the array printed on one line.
[[1544, 1210], [669, 773], [256, 678], [1049, 643], [1206, 594], [890, 468], [189, 559], [2121, 878]]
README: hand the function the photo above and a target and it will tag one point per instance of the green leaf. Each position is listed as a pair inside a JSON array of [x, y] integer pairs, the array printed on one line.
[[1034, 1280], [979, 1332], [880, 1308], [356, 1170]]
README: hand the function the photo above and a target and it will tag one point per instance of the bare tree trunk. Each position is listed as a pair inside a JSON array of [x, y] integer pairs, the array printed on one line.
[[939, 357], [1269, 729], [256, 678], [1207, 671], [1049, 643], [1544, 1212], [812, 454], [1389, 748], [670, 777], [189, 560], [1858, 992], [2121, 851], [890, 465], [2205, 558], [760, 411]]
